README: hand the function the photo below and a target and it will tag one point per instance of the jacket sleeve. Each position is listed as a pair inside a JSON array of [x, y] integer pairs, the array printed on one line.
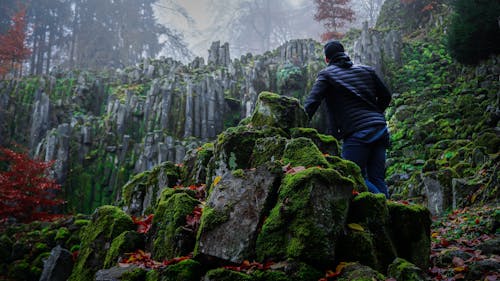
[[382, 92], [316, 95]]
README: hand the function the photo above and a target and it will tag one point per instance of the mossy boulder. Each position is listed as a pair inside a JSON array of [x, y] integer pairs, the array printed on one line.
[[170, 238], [327, 144], [234, 147], [194, 170], [141, 192], [349, 170], [127, 242], [303, 152], [234, 211], [372, 246], [401, 269], [107, 223], [277, 111], [308, 218], [269, 149], [410, 232], [187, 270], [358, 272], [222, 274]]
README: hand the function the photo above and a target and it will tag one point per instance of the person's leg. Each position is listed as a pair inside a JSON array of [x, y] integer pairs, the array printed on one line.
[[358, 153], [375, 167]]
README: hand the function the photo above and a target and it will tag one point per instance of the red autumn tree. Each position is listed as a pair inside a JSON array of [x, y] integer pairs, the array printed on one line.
[[13, 50], [333, 14], [26, 190]]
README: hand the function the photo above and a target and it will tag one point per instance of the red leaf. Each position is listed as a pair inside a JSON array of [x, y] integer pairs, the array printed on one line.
[[144, 224]]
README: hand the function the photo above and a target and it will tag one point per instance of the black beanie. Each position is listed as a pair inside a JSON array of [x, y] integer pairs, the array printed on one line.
[[333, 47]]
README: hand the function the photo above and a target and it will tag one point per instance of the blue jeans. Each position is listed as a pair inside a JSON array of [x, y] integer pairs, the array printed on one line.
[[369, 154]]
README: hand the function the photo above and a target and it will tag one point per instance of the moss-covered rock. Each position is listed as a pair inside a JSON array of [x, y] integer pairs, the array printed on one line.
[[127, 242], [326, 144], [268, 149], [374, 242], [107, 223], [303, 152], [234, 147], [141, 192], [234, 211], [349, 170], [358, 272], [221, 274], [170, 239], [401, 269], [308, 218], [278, 111], [410, 232], [187, 270], [194, 170]]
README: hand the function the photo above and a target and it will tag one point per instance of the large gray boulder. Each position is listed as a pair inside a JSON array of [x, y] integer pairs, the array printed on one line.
[[234, 211]]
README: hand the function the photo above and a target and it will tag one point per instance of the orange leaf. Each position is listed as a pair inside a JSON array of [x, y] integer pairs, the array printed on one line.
[[217, 180]]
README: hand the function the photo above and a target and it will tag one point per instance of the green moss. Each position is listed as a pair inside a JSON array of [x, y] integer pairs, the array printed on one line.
[[357, 246], [349, 170], [303, 152], [359, 272], [268, 150], [238, 173], [410, 227], [211, 218], [187, 270], [309, 216], [20, 270], [137, 274], [270, 275], [278, 111], [234, 146], [62, 234], [401, 269], [107, 223], [127, 242], [327, 144], [369, 209], [221, 274], [170, 217]]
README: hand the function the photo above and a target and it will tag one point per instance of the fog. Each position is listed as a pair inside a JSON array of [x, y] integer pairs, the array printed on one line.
[[103, 34], [250, 26]]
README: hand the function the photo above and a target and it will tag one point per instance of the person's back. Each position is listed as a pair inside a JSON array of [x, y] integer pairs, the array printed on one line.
[[356, 99], [355, 105]]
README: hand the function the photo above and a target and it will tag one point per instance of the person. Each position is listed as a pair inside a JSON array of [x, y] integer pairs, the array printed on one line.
[[356, 99]]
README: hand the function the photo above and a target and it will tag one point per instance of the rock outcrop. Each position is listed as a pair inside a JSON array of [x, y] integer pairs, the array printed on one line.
[[273, 197]]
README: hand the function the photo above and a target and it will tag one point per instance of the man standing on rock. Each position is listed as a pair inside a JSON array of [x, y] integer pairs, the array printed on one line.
[[356, 99]]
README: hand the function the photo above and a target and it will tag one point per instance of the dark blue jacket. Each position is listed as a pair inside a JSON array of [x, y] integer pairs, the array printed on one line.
[[355, 97]]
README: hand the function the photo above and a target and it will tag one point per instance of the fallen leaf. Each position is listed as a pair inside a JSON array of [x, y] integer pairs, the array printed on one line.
[[355, 226], [217, 180]]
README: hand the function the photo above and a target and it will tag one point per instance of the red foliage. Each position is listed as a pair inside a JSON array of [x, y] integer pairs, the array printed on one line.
[[193, 219], [13, 49], [334, 14], [26, 190], [144, 260], [247, 266], [143, 224]]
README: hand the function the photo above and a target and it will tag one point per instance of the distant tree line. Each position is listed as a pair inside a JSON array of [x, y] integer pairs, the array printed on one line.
[[94, 34]]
